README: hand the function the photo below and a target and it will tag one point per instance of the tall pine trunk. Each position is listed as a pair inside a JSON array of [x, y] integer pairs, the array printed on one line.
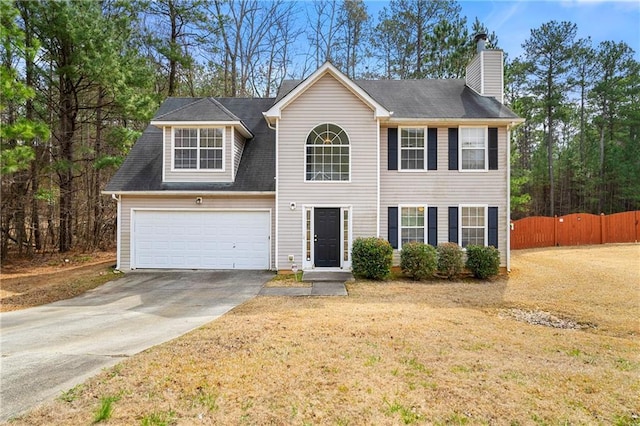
[[98, 208], [68, 112]]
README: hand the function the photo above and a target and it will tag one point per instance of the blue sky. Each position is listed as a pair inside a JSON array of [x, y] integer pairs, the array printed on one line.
[[513, 20]]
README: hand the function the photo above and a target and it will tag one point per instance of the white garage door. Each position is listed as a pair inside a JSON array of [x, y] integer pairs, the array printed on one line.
[[201, 239]]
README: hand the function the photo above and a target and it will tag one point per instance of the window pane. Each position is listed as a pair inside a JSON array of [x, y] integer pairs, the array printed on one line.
[[211, 138], [186, 158], [412, 138], [473, 159], [186, 138], [211, 159], [412, 159]]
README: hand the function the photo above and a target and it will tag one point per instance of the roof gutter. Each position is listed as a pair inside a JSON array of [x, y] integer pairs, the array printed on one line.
[[466, 121], [190, 192], [237, 124]]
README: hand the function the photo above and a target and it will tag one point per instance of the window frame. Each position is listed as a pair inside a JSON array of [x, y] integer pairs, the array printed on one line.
[[485, 226], [461, 149], [198, 148], [425, 222], [425, 153], [306, 155]]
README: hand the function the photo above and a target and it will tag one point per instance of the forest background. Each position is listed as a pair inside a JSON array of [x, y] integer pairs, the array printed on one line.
[[81, 80]]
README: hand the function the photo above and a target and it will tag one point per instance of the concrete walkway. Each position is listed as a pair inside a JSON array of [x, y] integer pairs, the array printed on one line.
[[322, 284]]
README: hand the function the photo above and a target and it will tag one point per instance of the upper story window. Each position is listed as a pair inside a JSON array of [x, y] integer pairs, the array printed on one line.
[[198, 148], [473, 148], [327, 154], [412, 148]]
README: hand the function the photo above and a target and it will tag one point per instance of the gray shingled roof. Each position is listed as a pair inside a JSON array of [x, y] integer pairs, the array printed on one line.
[[193, 109], [445, 98], [142, 169]]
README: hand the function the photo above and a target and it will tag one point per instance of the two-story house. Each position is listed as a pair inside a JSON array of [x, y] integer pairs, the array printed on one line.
[[222, 183]]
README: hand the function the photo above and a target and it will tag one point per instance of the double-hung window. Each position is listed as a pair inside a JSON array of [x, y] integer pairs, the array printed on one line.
[[412, 148], [473, 148], [412, 224], [198, 148], [473, 225]]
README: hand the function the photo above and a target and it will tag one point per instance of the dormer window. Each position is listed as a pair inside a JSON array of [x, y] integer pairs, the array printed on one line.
[[198, 148]]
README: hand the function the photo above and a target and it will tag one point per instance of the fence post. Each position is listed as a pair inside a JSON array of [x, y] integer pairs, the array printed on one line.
[[555, 230], [602, 228]]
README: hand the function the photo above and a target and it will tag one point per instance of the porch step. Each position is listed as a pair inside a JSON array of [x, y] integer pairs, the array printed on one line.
[[327, 276]]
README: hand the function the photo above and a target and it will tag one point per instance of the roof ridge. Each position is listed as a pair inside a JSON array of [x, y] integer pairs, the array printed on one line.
[[181, 108], [223, 108]]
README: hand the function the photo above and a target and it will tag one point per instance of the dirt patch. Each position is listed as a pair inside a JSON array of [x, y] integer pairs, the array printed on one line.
[[544, 318], [397, 353], [32, 282]]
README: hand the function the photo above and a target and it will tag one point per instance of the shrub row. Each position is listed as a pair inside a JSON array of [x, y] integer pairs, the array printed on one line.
[[372, 259]]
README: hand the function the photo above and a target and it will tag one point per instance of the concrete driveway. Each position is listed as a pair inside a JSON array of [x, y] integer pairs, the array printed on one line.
[[52, 348]]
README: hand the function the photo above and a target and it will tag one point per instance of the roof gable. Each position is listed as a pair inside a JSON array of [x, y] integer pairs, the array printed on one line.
[[327, 69], [197, 111]]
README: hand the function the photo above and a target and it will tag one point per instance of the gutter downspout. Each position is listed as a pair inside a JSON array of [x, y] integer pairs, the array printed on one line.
[[509, 197], [118, 199]]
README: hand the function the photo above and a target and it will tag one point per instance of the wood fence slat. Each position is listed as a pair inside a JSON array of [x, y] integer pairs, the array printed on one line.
[[575, 229]]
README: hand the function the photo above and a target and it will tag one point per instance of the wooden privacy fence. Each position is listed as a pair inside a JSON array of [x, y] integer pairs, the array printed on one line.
[[575, 229]]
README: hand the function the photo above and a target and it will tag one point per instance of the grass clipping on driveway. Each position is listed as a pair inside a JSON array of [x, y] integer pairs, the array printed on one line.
[[399, 353]]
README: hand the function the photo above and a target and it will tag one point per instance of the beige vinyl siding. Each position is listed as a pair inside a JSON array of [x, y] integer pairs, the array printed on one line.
[[484, 74], [444, 188], [474, 74], [326, 101], [220, 202], [238, 148], [492, 73], [226, 175]]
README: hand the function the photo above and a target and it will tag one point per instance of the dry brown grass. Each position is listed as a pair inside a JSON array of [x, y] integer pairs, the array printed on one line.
[[394, 353], [25, 283]]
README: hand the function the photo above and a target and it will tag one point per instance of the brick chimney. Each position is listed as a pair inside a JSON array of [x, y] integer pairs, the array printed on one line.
[[485, 72]]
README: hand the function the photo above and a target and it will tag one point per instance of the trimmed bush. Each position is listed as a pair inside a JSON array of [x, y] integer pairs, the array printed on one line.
[[483, 262], [450, 263], [418, 260], [371, 258]]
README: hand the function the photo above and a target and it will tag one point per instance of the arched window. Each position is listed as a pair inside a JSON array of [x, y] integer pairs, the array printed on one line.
[[327, 154]]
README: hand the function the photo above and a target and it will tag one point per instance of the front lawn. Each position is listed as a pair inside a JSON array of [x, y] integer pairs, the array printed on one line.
[[399, 353]]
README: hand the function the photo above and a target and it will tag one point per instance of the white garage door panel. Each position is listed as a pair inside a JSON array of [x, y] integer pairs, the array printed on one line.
[[201, 240]]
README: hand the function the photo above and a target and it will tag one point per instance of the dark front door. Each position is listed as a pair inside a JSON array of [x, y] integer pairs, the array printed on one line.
[[327, 238]]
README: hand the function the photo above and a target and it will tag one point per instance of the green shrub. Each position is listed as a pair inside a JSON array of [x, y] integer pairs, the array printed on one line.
[[483, 262], [418, 260], [450, 263], [371, 258]]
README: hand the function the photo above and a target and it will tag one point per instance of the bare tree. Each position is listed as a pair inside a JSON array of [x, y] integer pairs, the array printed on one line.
[[256, 38]]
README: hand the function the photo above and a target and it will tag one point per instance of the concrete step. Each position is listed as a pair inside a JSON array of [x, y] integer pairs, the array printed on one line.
[[327, 276]]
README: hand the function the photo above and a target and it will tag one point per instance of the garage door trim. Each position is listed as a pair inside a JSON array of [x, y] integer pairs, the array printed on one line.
[[132, 234]]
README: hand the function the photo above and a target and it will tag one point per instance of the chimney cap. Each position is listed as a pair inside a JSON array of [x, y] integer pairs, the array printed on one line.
[[480, 36]]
